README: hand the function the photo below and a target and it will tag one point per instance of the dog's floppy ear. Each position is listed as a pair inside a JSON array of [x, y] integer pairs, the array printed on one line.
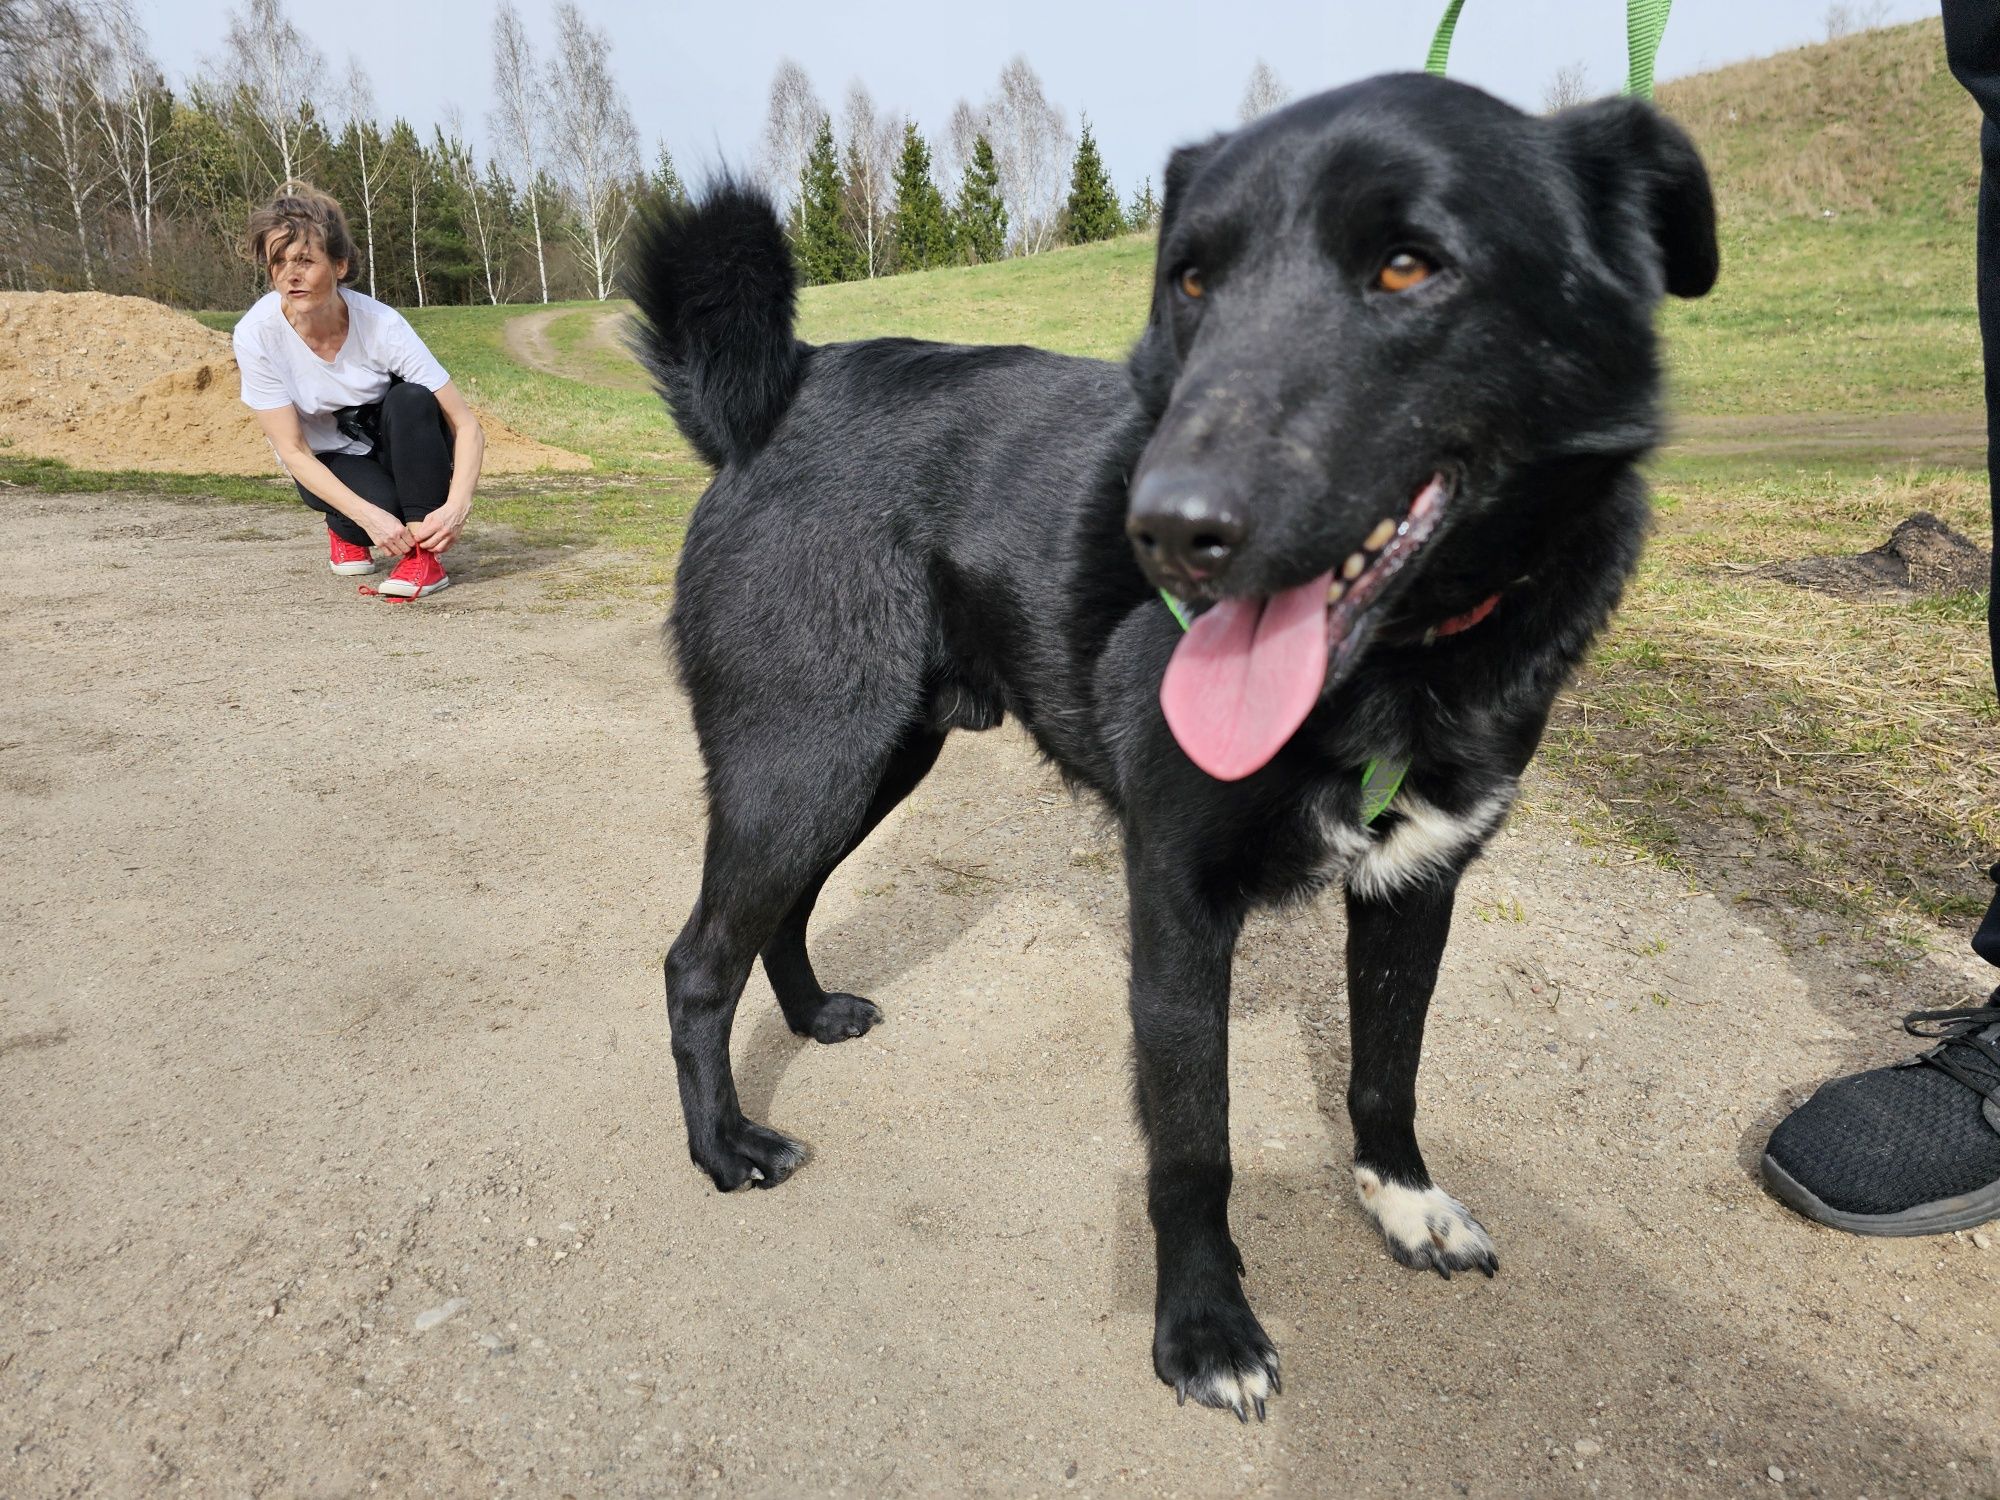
[[1646, 190]]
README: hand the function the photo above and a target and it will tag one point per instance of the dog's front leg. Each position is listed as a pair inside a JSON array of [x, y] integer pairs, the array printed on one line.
[[1206, 1342], [1394, 945]]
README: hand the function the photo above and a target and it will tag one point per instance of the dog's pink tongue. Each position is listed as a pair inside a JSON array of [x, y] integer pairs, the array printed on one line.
[[1245, 676]]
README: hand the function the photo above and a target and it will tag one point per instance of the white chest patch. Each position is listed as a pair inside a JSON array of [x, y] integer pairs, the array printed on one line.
[[1422, 841]]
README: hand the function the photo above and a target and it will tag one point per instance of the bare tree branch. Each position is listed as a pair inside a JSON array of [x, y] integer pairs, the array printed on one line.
[[1263, 93], [1571, 85], [955, 150], [275, 73]]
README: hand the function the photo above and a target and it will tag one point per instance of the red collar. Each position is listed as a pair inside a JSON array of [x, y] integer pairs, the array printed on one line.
[[1465, 621]]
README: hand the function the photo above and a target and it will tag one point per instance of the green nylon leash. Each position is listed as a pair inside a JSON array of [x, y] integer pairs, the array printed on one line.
[[1645, 25], [1380, 779], [1441, 43]]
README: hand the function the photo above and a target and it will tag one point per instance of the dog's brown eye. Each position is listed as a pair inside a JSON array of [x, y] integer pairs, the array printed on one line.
[[1402, 271], [1191, 284]]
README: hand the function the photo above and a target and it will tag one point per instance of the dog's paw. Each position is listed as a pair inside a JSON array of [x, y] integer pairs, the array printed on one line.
[[1217, 1353], [1425, 1228], [841, 1018], [747, 1152]]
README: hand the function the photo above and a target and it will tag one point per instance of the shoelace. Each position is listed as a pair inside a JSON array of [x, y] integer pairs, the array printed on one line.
[[1962, 1052], [374, 593]]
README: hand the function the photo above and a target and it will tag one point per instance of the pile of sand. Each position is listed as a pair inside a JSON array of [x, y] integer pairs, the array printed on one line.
[[106, 382]]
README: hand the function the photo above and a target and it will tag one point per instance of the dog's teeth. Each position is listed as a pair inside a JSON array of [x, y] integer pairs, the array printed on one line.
[[1379, 537], [1334, 590], [1351, 569]]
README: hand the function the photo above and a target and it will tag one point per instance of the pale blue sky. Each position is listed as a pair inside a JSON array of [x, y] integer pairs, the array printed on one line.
[[1150, 76]]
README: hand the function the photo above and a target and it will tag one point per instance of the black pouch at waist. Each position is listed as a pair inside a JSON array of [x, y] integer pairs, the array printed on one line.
[[363, 424]]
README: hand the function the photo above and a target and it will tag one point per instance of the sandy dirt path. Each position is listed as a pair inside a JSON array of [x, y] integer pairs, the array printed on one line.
[[339, 1147], [527, 343]]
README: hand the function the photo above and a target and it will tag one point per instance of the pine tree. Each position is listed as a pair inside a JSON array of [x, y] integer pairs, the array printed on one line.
[[923, 230], [1092, 212], [666, 183], [980, 220], [826, 251], [1145, 210]]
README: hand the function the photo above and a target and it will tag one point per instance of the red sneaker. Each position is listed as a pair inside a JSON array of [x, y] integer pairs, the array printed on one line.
[[345, 558], [418, 574]]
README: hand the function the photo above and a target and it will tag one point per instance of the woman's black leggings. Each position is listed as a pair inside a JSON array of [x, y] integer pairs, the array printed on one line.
[[408, 474]]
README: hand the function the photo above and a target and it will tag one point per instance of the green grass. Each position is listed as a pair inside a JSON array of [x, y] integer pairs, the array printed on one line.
[[1089, 300], [57, 477]]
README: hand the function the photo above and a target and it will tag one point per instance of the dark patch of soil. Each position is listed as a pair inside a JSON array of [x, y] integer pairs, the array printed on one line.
[[1922, 556]]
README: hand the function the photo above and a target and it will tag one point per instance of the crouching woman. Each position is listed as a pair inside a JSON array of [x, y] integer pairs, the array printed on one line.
[[362, 415]]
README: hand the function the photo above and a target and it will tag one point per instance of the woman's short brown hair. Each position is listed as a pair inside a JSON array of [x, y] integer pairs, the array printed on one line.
[[300, 211]]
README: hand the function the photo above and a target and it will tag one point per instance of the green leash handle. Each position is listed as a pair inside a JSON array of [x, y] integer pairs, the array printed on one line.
[[1645, 24]]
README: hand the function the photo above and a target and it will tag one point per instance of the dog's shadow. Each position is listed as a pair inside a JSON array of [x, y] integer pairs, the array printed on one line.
[[929, 875]]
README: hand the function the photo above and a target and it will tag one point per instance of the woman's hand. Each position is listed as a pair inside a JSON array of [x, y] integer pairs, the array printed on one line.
[[438, 530], [388, 533]]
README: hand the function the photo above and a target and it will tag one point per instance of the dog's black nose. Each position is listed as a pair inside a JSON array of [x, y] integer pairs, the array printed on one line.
[[1182, 527]]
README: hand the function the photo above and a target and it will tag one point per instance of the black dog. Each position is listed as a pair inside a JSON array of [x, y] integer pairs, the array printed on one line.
[[1379, 436]]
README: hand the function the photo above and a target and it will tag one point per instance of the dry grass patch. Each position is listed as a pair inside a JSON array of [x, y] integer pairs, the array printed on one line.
[[1839, 752]]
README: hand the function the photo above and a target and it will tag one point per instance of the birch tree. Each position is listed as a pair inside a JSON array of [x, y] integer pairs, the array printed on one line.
[[597, 145], [520, 109], [464, 169], [1032, 143], [275, 73], [133, 112], [358, 102], [873, 146], [57, 60], [792, 118]]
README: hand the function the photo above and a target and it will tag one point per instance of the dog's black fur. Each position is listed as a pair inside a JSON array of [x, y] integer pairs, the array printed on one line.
[[908, 538]]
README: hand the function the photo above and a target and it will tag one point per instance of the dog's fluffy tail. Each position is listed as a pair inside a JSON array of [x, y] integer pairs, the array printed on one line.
[[715, 290]]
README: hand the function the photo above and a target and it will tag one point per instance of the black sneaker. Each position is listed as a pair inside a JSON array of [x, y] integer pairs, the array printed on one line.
[[1909, 1149]]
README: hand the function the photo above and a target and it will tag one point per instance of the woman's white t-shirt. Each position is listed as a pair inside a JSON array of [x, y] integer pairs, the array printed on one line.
[[280, 370]]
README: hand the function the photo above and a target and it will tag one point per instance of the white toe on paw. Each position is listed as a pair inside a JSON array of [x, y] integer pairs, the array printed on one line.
[[1425, 1227], [1240, 1391]]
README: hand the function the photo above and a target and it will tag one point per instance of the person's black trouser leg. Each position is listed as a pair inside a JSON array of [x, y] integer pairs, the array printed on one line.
[[1972, 45], [408, 474]]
